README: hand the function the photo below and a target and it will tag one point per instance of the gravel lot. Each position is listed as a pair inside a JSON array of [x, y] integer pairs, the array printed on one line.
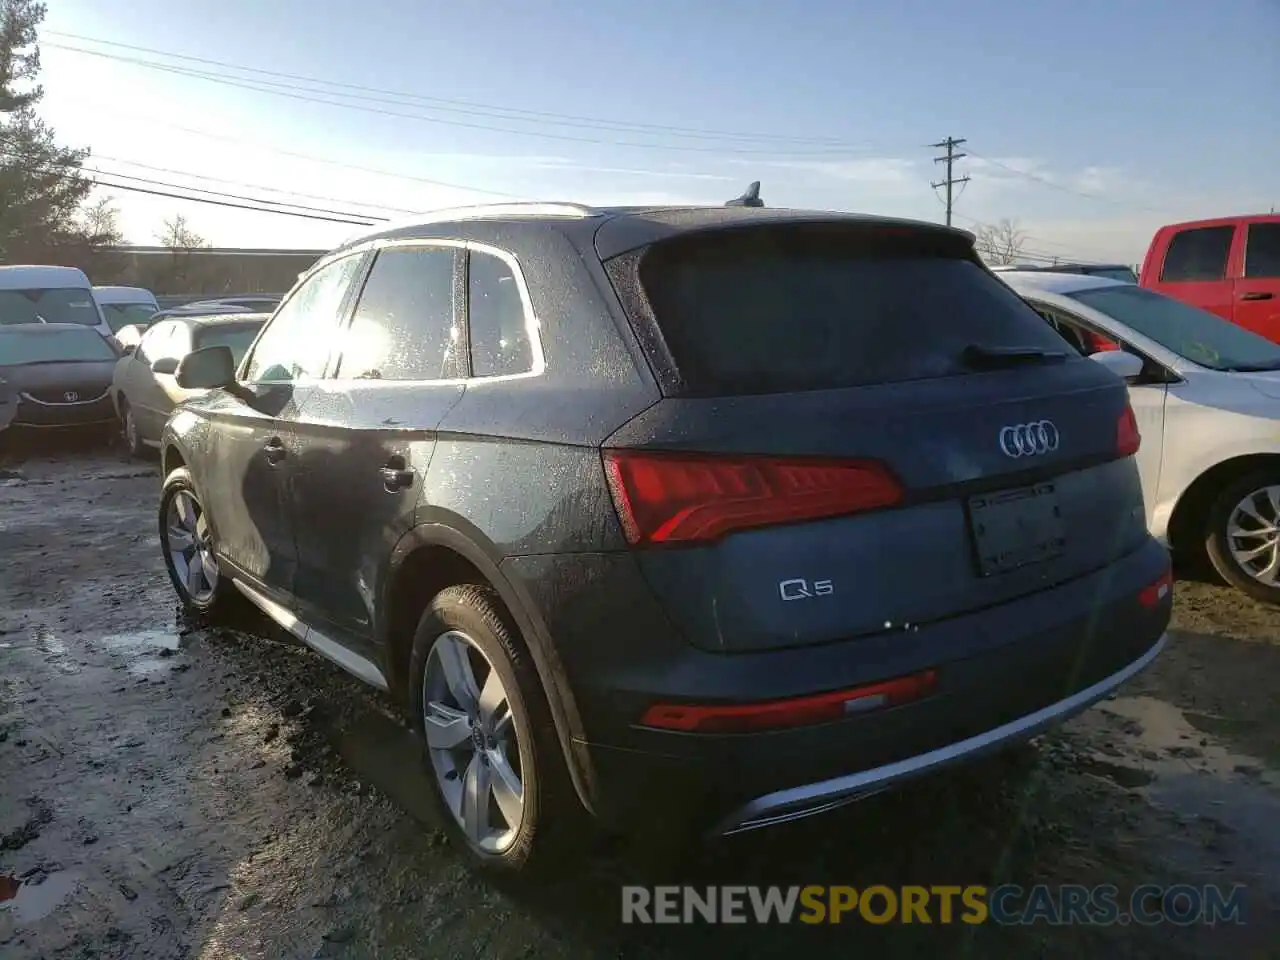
[[176, 791]]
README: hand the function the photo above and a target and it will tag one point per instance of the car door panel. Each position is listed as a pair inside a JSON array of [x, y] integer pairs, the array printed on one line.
[[1257, 292], [365, 437], [143, 391]]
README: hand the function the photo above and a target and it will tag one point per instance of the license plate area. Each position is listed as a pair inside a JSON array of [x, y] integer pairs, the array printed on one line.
[[1015, 528]]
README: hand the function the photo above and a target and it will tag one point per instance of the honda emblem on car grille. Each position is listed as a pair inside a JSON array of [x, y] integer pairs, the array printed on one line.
[[71, 396], [1028, 439]]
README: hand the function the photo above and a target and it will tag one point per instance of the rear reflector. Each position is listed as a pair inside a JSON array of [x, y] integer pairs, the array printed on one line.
[[1152, 594], [665, 498], [797, 712], [1127, 437]]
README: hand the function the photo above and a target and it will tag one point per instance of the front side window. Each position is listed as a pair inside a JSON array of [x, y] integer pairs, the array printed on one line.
[[1198, 255], [299, 339], [52, 346], [404, 325], [237, 336], [151, 346], [49, 305], [500, 344], [1262, 250]]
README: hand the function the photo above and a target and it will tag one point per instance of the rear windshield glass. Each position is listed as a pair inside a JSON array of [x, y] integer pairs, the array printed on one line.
[[786, 309], [49, 305], [238, 338], [1123, 274], [52, 346]]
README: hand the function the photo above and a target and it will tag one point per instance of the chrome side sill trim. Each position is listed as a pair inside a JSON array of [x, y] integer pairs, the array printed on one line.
[[353, 663], [797, 802]]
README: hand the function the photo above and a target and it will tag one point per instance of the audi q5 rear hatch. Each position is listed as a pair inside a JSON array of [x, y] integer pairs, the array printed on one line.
[[862, 431]]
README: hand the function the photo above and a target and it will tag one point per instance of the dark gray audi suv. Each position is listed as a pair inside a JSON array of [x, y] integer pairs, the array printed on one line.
[[718, 516]]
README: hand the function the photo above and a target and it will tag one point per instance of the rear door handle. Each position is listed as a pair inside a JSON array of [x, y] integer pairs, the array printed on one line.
[[1256, 295], [396, 478], [274, 450]]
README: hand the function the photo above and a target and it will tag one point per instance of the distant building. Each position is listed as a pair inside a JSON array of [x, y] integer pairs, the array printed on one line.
[[204, 271]]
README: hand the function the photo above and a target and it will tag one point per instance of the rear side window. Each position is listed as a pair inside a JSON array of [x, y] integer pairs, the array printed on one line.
[[500, 343], [1262, 251], [780, 309], [404, 328], [1197, 255]]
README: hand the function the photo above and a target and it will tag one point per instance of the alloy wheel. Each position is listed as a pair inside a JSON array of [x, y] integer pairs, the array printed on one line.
[[191, 547], [130, 430], [473, 742], [1253, 535]]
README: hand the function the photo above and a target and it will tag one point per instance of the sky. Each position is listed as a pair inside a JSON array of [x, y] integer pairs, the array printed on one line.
[[1089, 124]]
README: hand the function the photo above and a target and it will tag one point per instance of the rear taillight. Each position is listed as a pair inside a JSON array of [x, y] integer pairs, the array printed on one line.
[[666, 498], [1127, 437], [794, 712], [1153, 593]]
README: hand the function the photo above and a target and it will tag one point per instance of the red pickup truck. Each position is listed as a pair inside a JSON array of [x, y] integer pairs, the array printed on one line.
[[1230, 266]]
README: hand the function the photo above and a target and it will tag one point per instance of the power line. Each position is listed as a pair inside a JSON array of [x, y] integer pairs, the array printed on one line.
[[949, 158], [307, 95], [234, 206], [1044, 181], [478, 108]]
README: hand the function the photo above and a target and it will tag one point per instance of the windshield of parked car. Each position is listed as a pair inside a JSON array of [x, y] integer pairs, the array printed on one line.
[[121, 315], [1123, 274], [1202, 337], [49, 305], [52, 346], [237, 336]]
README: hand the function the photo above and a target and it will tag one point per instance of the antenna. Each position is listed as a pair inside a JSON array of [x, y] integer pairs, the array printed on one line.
[[749, 199]]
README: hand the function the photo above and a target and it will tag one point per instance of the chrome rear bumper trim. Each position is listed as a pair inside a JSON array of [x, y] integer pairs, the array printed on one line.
[[813, 798]]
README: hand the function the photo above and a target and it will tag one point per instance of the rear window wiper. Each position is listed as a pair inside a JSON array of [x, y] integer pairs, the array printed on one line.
[[980, 357]]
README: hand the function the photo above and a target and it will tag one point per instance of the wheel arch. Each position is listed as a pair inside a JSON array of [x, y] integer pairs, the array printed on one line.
[[434, 555], [1191, 510]]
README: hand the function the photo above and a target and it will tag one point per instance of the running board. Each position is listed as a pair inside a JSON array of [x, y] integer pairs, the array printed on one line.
[[356, 665]]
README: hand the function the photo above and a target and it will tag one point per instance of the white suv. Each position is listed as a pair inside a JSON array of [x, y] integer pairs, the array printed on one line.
[[1207, 397]]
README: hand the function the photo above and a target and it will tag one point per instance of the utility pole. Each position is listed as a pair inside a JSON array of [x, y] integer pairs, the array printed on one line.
[[949, 158]]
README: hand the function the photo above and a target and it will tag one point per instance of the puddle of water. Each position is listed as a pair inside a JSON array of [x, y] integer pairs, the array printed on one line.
[[29, 902], [141, 641]]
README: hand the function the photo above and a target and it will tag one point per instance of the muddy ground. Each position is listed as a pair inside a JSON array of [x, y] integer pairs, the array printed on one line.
[[172, 791]]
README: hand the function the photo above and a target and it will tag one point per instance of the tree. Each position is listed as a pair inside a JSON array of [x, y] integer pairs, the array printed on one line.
[[101, 222], [42, 186], [1000, 243], [178, 236]]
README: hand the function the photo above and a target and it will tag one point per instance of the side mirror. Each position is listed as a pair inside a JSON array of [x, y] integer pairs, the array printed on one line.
[[207, 369], [165, 365], [1123, 364]]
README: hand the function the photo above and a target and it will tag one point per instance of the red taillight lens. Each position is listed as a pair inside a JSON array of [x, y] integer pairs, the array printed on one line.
[[796, 712], [683, 498], [1152, 594], [1127, 437]]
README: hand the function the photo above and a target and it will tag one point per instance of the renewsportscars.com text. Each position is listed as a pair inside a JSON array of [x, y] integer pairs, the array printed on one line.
[[1066, 905]]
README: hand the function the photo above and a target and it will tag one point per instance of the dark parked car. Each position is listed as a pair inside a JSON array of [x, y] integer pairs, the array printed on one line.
[[697, 517], [257, 302], [143, 388], [58, 373]]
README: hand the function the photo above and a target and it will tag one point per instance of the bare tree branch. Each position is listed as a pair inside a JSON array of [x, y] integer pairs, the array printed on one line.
[[999, 243]]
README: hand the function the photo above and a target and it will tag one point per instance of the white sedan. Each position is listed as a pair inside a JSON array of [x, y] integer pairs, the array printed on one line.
[[1207, 397]]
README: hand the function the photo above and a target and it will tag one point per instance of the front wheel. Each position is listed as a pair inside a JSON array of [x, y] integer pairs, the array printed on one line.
[[186, 541], [129, 429], [489, 742], [1242, 535]]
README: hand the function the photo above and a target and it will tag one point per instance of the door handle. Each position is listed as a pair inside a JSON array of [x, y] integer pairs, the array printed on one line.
[[274, 450], [396, 478], [1256, 295]]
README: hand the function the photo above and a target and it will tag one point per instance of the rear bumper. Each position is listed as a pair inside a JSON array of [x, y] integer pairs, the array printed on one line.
[[1004, 674], [811, 798]]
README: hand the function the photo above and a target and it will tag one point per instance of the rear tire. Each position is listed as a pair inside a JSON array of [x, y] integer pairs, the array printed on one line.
[[129, 430], [190, 555], [1242, 535], [475, 698]]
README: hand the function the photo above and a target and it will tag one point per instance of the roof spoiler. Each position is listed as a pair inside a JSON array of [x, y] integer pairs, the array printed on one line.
[[749, 199]]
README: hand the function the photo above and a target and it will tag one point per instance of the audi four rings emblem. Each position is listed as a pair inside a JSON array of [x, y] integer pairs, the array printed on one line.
[[71, 396], [1029, 439]]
